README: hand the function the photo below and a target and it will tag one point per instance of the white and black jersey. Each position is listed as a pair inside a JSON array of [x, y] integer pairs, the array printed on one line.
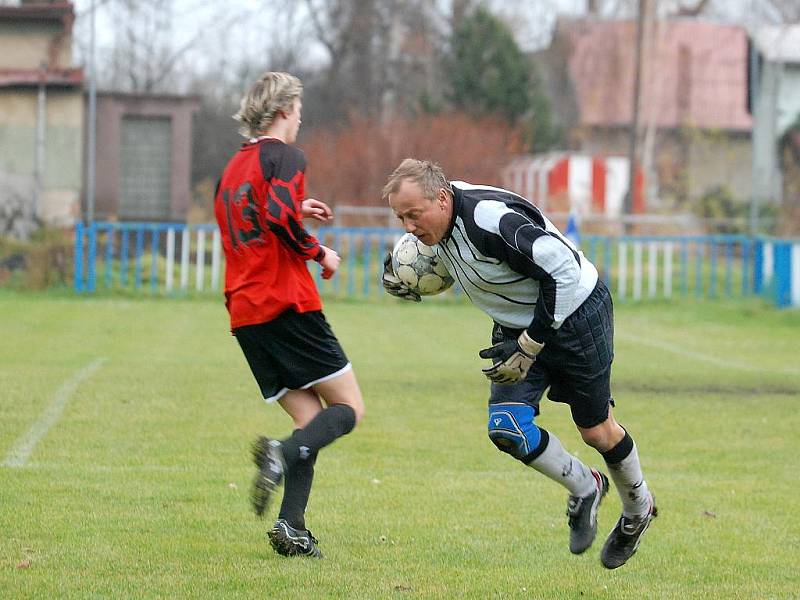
[[512, 262]]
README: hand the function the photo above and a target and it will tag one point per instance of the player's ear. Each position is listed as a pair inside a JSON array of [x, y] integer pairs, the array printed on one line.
[[442, 198]]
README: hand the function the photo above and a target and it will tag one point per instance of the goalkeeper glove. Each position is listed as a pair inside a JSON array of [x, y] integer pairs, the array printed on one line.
[[393, 285], [511, 358]]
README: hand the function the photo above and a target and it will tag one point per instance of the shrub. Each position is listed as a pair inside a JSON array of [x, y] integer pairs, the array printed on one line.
[[45, 261]]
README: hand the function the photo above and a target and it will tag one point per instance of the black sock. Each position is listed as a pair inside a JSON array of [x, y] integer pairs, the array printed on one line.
[[296, 490], [329, 424]]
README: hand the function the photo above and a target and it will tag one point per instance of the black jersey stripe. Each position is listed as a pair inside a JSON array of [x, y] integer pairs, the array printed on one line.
[[494, 262], [460, 264]]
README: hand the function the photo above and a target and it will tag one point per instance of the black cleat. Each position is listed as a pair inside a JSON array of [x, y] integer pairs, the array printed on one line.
[[624, 539], [288, 541], [582, 513], [268, 457]]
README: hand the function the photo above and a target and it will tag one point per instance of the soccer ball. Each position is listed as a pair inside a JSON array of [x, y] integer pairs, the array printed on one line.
[[418, 267]]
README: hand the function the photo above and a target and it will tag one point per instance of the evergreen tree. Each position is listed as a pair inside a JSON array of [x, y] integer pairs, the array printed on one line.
[[488, 74], [487, 71]]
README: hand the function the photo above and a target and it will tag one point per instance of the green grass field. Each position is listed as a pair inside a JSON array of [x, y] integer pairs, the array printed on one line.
[[138, 487]]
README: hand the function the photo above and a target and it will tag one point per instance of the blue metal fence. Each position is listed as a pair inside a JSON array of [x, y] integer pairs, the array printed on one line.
[[175, 258]]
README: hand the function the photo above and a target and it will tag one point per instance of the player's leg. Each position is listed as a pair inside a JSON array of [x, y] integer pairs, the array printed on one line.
[[344, 409], [512, 410], [312, 360], [289, 536], [290, 356], [621, 455], [302, 406], [585, 382], [622, 458], [317, 427]]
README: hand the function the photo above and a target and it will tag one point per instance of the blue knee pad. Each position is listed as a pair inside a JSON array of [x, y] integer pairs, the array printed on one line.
[[512, 430]]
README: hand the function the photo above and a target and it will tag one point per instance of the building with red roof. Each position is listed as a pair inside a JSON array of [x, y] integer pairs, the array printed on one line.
[[695, 128]]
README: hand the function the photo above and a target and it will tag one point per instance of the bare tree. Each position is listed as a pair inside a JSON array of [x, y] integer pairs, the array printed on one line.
[[146, 51], [788, 11], [380, 53]]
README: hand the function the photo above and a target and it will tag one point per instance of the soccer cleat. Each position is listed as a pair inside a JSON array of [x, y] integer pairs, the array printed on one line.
[[582, 513], [624, 539], [268, 457], [288, 541]]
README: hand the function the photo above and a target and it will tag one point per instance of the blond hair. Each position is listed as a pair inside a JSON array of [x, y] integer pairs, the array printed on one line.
[[273, 92], [426, 174]]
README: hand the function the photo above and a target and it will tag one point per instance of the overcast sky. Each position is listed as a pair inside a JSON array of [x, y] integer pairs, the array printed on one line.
[[530, 21], [239, 27]]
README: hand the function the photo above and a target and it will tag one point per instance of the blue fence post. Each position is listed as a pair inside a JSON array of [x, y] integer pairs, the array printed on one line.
[[698, 268], [729, 268], [91, 258], [746, 248], [783, 274], [123, 258], [137, 277], [78, 275], [367, 262], [351, 260], [758, 266], [108, 261], [712, 286]]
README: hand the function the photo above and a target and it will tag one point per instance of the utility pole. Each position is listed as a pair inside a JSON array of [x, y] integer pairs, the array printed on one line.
[[754, 91], [39, 156], [634, 132], [92, 125]]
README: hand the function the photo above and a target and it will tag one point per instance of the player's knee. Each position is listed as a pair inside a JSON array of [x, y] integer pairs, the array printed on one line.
[[343, 390], [358, 409], [603, 436], [512, 430], [355, 411], [356, 402]]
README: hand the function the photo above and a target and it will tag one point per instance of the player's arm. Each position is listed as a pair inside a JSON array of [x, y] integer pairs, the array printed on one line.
[[284, 171]]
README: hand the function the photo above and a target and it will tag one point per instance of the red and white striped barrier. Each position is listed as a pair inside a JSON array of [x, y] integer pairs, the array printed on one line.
[[574, 182]]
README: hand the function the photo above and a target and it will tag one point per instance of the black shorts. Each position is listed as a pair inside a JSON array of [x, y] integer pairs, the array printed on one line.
[[293, 351], [575, 363]]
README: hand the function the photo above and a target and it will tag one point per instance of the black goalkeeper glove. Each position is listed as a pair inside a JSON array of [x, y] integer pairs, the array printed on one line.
[[512, 359], [392, 284]]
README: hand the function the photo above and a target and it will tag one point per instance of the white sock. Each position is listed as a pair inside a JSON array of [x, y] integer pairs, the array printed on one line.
[[560, 466], [631, 486]]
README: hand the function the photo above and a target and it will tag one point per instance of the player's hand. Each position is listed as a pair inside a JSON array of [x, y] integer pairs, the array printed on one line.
[[316, 209], [512, 359], [330, 262], [393, 285]]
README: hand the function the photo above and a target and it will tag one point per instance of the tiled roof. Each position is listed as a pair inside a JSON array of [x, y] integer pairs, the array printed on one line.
[[696, 76]]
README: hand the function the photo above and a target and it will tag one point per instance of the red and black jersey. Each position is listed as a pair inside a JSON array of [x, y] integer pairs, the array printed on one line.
[[258, 210]]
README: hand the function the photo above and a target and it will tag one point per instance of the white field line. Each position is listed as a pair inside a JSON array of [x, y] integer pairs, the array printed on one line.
[[19, 453], [724, 363]]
